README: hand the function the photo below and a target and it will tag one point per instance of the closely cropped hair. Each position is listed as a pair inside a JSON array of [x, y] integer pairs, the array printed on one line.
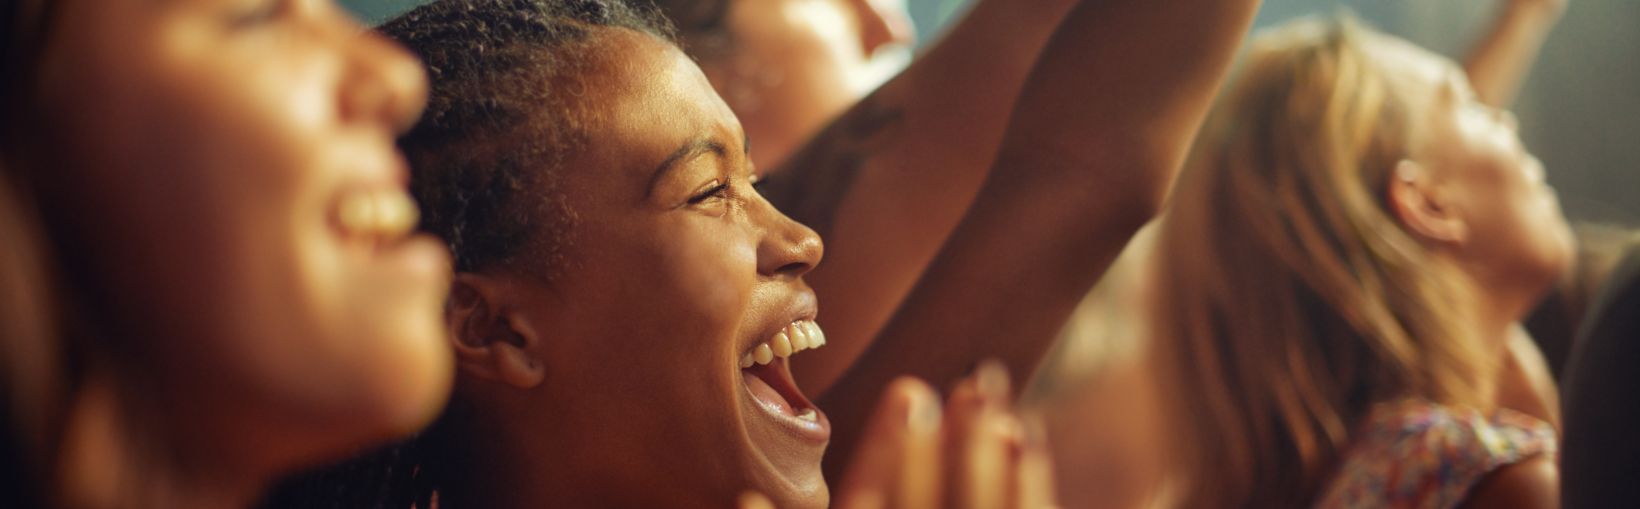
[[1289, 298], [501, 116]]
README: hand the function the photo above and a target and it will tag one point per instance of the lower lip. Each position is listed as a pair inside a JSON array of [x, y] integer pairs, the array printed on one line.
[[419, 256]]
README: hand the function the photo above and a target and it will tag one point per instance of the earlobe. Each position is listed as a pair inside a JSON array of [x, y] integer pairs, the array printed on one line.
[[1418, 205], [489, 342], [515, 362]]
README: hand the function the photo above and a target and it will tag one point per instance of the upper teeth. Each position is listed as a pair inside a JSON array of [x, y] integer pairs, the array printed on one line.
[[799, 336], [384, 212]]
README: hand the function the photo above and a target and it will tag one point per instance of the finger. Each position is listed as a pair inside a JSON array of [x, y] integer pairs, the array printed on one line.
[[1034, 485], [991, 379], [890, 459], [976, 439], [755, 500], [986, 387], [988, 460]]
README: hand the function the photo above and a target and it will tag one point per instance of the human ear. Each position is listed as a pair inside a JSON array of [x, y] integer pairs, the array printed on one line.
[[1420, 208], [492, 341], [882, 22]]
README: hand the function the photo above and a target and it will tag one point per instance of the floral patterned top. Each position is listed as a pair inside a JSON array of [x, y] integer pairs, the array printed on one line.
[[1417, 454]]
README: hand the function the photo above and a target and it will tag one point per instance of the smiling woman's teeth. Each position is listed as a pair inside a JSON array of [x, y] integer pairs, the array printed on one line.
[[385, 213], [799, 336]]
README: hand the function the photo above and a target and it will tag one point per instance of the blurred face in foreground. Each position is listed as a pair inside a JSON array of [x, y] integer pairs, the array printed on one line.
[[226, 175]]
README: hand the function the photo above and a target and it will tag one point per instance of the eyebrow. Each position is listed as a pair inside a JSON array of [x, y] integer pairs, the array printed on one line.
[[689, 150]]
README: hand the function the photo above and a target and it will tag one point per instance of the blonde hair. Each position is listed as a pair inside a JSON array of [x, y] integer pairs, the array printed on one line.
[[1289, 300]]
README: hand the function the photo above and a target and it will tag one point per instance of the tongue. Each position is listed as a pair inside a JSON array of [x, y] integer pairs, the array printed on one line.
[[763, 393]]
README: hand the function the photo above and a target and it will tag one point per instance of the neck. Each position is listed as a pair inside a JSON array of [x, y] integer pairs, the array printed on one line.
[[506, 457], [114, 456], [1497, 314], [500, 463]]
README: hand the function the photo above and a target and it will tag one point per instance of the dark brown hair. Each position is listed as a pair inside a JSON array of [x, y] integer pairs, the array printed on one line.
[[501, 115]]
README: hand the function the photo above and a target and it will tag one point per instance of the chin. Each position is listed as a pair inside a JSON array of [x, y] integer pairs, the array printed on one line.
[[402, 393]]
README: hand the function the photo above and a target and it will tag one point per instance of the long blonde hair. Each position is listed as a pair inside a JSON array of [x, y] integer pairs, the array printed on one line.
[[1289, 299]]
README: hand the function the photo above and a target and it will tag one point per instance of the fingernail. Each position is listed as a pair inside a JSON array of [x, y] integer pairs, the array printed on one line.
[[992, 379], [922, 412]]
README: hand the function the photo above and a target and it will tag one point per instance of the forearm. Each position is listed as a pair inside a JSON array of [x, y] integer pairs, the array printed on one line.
[[1500, 62], [952, 105], [1103, 123], [888, 182]]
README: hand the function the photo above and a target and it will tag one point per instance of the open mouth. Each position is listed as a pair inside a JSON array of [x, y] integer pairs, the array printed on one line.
[[378, 216], [766, 371]]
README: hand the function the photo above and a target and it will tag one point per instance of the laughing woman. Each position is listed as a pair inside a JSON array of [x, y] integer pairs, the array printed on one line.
[[626, 301], [209, 276]]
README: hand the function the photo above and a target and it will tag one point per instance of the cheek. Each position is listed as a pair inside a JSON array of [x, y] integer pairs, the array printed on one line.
[[249, 188], [677, 284], [209, 173], [712, 269], [1519, 223]]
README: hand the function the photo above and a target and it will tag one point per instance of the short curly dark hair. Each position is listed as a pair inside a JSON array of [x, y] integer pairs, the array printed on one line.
[[501, 117]]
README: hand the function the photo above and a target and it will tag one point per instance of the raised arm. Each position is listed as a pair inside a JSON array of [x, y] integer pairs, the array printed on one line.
[[886, 183], [1499, 63], [1105, 119]]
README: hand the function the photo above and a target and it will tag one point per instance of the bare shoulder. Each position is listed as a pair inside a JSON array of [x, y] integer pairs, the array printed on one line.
[[1530, 484]]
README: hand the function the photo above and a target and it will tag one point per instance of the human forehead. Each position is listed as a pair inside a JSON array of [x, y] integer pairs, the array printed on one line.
[[645, 98]]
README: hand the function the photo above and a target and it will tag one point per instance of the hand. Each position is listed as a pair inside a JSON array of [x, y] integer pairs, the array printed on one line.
[[976, 454]]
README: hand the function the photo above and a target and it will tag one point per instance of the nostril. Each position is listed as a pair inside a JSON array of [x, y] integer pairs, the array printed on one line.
[[788, 249], [794, 269]]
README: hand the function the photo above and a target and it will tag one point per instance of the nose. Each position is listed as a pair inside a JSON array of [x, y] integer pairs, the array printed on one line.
[[384, 83], [788, 250], [883, 22]]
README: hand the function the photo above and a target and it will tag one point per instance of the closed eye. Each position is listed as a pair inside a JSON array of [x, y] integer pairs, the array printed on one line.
[[714, 190], [258, 13]]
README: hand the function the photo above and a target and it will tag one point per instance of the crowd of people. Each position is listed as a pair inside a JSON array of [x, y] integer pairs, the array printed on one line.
[[523, 253]]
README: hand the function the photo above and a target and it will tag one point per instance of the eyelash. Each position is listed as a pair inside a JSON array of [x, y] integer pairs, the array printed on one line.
[[717, 191], [260, 13]]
